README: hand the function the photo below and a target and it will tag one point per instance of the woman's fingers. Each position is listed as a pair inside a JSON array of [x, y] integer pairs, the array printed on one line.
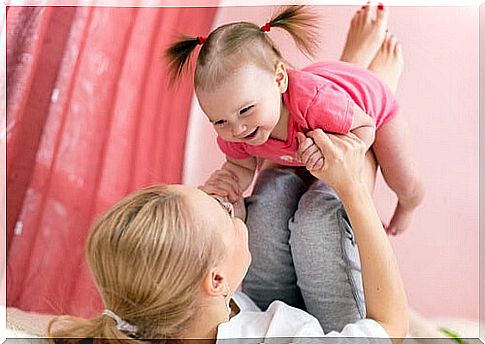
[[323, 142], [334, 145], [305, 155], [311, 156], [318, 165]]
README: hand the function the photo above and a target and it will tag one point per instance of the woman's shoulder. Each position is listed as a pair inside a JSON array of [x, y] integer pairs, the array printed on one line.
[[283, 320], [279, 320]]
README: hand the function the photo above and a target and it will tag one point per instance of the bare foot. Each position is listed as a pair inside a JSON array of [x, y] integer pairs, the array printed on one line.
[[389, 61], [406, 205], [365, 35], [400, 221]]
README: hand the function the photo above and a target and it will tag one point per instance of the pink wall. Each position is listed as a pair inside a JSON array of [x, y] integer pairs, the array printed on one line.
[[439, 96]]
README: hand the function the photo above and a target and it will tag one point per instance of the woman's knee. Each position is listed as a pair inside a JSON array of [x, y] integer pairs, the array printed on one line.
[[277, 186]]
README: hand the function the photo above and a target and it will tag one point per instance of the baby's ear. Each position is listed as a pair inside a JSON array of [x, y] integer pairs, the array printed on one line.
[[281, 76]]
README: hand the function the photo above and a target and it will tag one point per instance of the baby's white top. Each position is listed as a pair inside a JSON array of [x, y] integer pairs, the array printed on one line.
[[282, 320]]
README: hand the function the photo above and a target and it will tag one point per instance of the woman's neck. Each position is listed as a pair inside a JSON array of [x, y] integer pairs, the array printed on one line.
[[205, 322]]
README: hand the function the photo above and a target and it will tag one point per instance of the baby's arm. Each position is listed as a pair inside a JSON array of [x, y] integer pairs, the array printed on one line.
[[244, 169], [232, 179], [363, 126]]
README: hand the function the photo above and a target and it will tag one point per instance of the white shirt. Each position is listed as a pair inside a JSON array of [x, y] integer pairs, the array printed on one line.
[[282, 320]]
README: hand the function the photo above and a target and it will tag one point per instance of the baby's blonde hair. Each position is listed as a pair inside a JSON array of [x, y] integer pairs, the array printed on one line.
[[230, 45], [148, 257]]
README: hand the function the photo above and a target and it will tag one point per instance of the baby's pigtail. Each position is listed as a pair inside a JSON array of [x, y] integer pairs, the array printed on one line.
[[301, 24], [179, 54]]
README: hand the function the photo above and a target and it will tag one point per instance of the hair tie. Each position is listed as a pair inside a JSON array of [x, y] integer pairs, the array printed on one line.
[[266, 27], [121, 324], [201, 39]]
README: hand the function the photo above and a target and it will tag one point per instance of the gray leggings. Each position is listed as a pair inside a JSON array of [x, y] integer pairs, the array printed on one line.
[[303, 250]]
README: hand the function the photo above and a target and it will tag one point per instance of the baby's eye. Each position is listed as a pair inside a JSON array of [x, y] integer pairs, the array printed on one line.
[[220, 122], [245, 109]]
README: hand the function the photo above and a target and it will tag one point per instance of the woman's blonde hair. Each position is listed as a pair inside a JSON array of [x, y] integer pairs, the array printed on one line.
[[230, 45], [148, 257]]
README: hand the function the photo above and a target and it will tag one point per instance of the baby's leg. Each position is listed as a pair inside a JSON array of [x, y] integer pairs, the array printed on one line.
[[326, 259], [365, 35], [393, 153], [271, 275], [391, 145]]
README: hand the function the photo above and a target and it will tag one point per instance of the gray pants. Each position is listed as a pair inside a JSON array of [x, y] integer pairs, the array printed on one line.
[[303, 250]]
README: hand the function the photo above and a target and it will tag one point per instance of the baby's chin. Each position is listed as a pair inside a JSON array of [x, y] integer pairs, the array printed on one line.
[[258, 141]]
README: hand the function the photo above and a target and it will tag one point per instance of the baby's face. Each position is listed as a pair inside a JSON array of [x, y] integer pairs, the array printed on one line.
[[246, 107]]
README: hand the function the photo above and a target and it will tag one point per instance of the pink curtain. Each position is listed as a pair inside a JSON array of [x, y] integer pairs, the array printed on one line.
[[90, 118]]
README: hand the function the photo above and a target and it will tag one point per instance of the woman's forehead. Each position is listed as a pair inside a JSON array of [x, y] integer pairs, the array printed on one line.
[[201, 203]]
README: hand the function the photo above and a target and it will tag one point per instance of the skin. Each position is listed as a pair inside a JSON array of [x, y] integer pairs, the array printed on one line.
[[249, 100], [344, 170], [365, 35], [224, 278], [368, 45], [249, 108]]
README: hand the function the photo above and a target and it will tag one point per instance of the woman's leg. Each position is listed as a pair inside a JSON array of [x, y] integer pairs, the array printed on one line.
[[326, 259], [273, 203]]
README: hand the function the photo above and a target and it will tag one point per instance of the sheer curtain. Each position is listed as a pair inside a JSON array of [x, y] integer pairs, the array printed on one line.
[[90, 118]]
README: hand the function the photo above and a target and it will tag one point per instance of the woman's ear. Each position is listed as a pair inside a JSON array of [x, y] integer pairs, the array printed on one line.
[[215, 283], [281, 76]]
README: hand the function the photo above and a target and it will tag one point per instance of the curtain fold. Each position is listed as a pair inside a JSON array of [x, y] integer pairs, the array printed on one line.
[[90, 118]]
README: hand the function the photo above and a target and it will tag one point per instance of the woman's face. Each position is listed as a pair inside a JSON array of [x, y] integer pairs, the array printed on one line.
[[212, 214]]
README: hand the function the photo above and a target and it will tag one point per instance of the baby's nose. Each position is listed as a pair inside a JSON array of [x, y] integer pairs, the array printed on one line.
[[239, 129]]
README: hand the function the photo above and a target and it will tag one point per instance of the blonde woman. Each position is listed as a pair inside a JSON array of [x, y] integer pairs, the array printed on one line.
[[167, 260]]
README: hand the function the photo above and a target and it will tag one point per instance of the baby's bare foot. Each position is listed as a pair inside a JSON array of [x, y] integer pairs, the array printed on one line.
[[400, 221], [389, 61], [365, 35]]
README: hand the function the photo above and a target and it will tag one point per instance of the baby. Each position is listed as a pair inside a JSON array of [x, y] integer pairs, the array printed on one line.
[[262, 109]]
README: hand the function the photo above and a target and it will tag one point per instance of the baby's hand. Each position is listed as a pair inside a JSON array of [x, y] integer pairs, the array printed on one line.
[[223, 183], [308, 153]]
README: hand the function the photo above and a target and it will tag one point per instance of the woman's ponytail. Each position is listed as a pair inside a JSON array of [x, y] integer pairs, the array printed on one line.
[[102, 326]]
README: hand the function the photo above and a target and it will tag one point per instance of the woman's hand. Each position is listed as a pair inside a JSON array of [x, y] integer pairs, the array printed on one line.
[[344, 159]]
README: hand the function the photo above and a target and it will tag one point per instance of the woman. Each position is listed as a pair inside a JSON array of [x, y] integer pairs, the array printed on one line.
[[168, 259]]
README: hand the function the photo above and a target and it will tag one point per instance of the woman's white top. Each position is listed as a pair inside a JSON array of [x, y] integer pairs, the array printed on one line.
[[282, 320]]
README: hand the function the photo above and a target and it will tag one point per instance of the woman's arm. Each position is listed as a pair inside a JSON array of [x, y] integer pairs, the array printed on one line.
[[383, 288]]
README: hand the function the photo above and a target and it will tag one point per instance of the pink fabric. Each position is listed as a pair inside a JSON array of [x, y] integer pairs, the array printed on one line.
[[322, 95], [90, 118]]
